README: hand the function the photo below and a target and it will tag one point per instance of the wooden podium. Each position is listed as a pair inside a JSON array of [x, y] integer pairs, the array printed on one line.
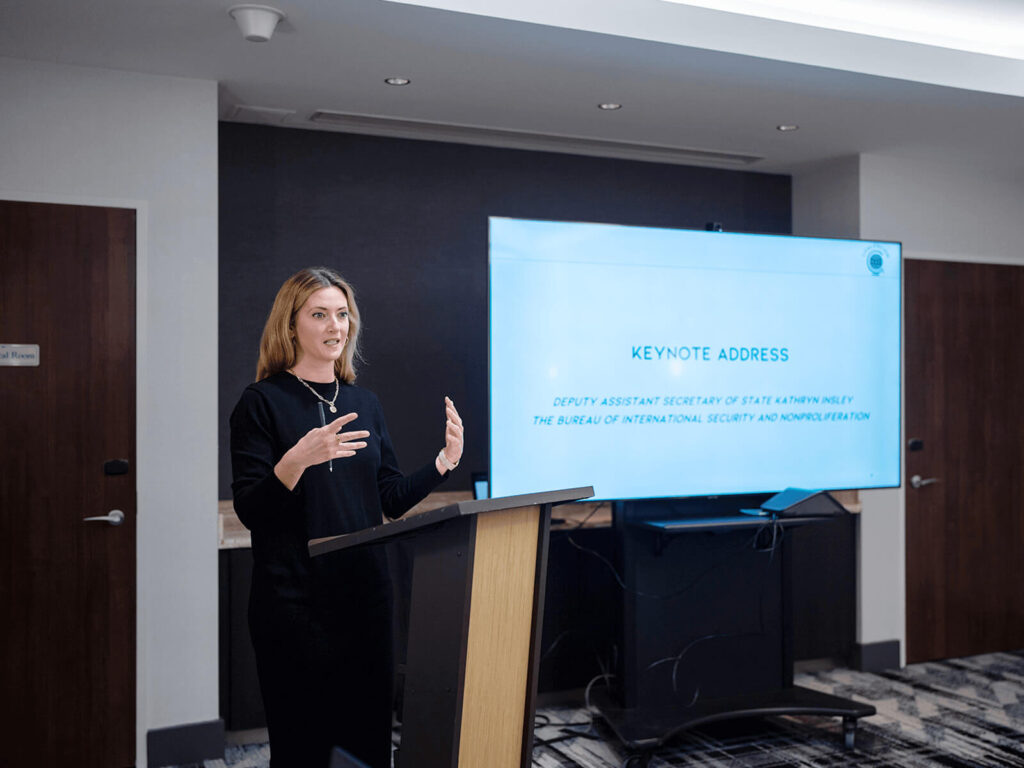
[[479, 569]]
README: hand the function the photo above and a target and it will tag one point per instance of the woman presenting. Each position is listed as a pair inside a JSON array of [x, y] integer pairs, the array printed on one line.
[[321, 628]]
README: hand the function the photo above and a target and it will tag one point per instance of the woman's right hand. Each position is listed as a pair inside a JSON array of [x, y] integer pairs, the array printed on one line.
[[318, 445]]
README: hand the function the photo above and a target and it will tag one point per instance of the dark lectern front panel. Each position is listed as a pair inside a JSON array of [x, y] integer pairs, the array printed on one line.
[[436, 652]]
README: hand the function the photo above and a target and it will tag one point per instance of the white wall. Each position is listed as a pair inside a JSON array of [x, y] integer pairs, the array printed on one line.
[[95, 136], [826, 199], [827, 202], [951, 212], [938, 211]]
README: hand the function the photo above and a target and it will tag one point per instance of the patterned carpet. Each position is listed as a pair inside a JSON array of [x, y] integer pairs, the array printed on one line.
[[965, 713]]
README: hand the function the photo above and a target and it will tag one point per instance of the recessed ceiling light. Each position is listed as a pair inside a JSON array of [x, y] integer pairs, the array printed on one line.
[[787, 128], [609, 105], [397, 80]]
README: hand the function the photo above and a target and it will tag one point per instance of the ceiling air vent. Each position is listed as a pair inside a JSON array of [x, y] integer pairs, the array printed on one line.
[[244, 113], [496, 137]]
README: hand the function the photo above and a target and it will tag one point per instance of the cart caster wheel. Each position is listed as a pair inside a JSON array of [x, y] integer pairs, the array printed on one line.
[[849, 733]]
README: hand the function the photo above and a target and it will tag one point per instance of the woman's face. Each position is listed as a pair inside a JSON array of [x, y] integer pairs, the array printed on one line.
[[321, 326]]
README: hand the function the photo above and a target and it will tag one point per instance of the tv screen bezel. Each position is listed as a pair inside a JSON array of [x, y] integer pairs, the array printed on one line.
[[710, 233]]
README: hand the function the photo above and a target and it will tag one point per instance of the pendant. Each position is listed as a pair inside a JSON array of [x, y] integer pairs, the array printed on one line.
[[333, 409]]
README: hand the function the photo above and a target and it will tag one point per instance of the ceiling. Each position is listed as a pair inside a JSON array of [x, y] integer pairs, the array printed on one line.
[[537, 69]]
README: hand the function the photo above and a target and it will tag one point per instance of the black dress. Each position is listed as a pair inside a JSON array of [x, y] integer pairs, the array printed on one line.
[[321, 628]]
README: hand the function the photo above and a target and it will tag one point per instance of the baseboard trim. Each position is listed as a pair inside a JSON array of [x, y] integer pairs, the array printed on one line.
[[876, 657], [184, 744]]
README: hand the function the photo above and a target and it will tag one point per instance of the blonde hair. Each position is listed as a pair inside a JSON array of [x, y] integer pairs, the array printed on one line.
[[278, 347]]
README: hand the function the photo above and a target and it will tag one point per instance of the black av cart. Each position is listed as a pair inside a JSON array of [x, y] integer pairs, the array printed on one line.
[[706, 631]]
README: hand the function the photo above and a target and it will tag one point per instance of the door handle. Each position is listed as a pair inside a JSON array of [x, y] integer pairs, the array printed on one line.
[[116, 517], [918, 482]]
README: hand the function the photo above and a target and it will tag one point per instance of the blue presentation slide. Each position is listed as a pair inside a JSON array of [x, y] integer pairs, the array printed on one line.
[[656, 363]]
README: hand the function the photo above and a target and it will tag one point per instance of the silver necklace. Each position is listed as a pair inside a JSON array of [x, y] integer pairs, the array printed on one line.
[[330, 403]]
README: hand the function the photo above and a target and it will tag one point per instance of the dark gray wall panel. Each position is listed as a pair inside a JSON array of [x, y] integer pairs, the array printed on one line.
[[406, 222]]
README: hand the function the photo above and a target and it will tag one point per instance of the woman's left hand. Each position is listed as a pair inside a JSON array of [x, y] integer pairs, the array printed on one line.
[[452, 437]]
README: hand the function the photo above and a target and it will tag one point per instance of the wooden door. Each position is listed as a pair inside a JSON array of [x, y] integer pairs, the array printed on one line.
[[67, 589], [965, 402]]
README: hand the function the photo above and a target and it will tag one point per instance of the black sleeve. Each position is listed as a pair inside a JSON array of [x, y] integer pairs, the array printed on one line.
[[399, 493], [259, 496]]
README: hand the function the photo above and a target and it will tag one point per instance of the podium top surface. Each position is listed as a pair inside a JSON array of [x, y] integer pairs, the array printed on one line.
[[406, 525]]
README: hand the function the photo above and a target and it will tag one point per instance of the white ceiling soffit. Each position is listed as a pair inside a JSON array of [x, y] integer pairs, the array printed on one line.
[[993, 27], [681, 23], [471, 134]]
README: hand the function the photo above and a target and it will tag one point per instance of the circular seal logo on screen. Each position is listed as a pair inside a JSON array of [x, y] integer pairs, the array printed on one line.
[[876, 259]]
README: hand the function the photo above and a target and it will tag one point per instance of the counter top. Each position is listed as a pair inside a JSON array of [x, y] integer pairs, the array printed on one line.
[[233, 535]]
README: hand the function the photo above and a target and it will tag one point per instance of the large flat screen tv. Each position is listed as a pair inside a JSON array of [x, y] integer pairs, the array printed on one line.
[[654, 363]]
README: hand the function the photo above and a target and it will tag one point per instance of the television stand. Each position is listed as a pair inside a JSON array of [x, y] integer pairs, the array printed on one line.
[[706, 631]]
